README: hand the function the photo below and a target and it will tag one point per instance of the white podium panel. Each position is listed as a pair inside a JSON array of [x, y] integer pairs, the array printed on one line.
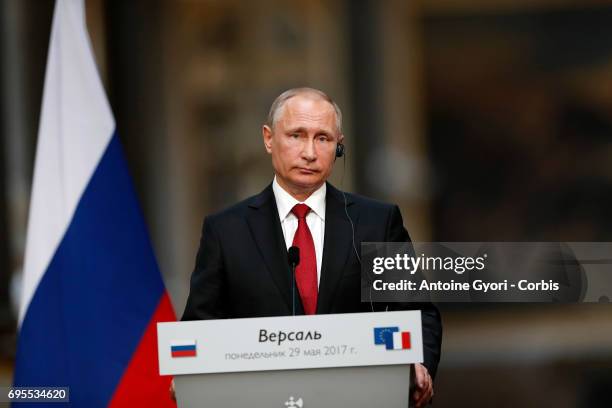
[[290, 342]]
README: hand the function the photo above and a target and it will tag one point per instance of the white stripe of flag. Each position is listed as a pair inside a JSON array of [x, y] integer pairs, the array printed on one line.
[[69, 147], [401, 340]]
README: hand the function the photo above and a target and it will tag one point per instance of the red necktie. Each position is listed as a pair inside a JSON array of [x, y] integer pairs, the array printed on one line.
[[306, 271]]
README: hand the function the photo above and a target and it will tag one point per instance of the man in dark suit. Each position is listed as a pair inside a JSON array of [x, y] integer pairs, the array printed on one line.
[[241, 266]]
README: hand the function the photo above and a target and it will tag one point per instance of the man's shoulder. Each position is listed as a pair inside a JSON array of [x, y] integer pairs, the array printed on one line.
[[371, 203], [240, 209], [368, 203]]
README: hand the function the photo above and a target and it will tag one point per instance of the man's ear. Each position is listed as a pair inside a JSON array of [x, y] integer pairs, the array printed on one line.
[[267, 138]]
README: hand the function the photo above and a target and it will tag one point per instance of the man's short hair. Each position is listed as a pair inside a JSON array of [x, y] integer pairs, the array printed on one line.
[[280, 100]]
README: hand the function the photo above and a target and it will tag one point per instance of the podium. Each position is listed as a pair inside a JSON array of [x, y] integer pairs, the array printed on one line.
[[337, 360]]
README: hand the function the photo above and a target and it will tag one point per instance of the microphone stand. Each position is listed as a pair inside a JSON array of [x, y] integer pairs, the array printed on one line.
[[293, 256], [293, 266]]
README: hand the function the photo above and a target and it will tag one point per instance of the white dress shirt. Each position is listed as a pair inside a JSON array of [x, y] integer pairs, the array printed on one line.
[[315, 218]]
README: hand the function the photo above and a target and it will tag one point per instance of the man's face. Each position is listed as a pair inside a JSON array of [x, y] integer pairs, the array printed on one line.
[[303, 143]]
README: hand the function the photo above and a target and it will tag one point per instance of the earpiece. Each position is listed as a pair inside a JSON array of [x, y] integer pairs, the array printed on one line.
[[339, 150]]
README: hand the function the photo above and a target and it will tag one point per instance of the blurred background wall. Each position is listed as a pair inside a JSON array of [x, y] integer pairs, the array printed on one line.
[[485, 120]]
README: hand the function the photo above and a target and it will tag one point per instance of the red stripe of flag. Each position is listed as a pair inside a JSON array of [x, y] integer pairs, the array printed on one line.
[[141, 384], [405, 340], [184, 353]]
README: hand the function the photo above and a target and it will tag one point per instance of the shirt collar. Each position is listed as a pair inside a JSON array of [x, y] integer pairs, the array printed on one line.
[[285, 201]]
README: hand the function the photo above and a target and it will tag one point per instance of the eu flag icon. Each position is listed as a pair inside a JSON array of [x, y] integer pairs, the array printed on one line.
[[379, 333]]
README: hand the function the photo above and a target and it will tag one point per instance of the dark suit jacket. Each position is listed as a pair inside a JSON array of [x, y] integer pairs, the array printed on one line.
[[242, 271]]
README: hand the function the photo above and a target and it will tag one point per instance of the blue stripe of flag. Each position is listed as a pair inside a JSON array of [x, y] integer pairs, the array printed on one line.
[[183, 348]]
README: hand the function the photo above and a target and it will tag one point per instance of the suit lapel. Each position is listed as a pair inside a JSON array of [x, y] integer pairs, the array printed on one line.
[[337, 245], [267, 233]]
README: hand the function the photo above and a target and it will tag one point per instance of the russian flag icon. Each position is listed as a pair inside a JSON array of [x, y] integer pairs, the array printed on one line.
[[183, 348]]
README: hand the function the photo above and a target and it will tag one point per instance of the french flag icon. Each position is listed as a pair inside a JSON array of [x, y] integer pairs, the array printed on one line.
[[183, 348], [397, 340]]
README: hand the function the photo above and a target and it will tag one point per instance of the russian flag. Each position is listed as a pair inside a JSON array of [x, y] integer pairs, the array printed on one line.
[[397, 340], [92, 291], [184, 348]]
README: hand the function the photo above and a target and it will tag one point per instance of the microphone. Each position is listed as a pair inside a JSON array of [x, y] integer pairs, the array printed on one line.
[[293, 257]]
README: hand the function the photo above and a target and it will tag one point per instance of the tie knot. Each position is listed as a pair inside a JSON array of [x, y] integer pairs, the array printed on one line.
[[300, 210]]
